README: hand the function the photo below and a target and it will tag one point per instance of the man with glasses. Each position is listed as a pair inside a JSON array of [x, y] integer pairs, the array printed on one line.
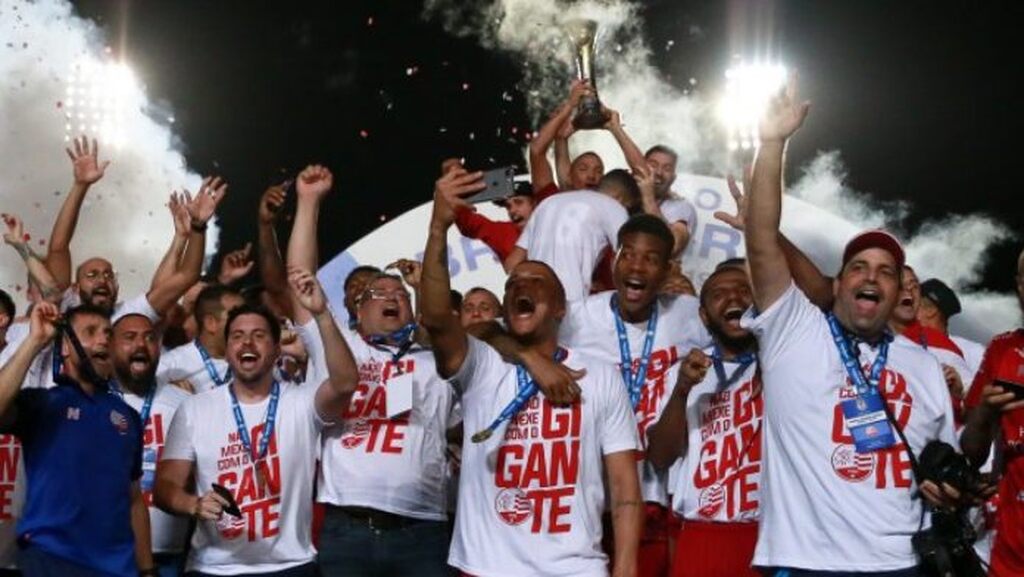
[[382, 474]]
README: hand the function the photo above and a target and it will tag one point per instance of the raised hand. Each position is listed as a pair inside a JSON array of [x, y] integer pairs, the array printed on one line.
[[677, 284], [996, 400], [43, 322], [307, 290], [410, 269], [314, 181], [953, 381], [449, 191], [784, 115], [565, 130], [739, 220], [644, 177], [85, 164], [179, 212], [692, 370], [15, 233], [271, 202], [614, 120], [236, 264], [577, 90], [202, 207]]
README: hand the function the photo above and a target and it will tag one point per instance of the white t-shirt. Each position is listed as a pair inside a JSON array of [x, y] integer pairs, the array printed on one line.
[[168, 533], [531, 496], [973, 353], [12, 498], [395, 465], [568, 231], [823, 506], [186, 363], [678, 209], [589, 329], [720, 476], [274, 532], [40, 372]]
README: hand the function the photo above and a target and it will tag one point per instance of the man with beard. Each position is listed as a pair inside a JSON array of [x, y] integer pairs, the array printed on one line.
[[569, 231], [136, 352], [261, 458], [542, 518], [201, 363], [382, 475], [84, 513], [660, 201], [644, 335], [712, 420], [838, 490], [995, 406]]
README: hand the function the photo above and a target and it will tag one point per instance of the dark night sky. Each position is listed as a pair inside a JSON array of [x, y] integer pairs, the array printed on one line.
[[917, 96]]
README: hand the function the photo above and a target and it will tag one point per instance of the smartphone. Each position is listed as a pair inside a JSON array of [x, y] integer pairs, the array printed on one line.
[[1016, 389], [232, 508], [500, 184]]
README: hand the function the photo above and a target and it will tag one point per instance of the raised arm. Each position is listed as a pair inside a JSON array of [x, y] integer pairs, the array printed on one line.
[[12, 374], [563, 161], [770, 273], [271, 263], [312, 185], [540, 171], [87, 171], [334, 394], [235, 265], [557, 381], [668, 438], [649, 203], [634, 156], [37, 271], [171, 261], [164, 293], [446, 333]]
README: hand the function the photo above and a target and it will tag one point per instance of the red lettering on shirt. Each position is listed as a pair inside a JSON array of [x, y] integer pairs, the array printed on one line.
[[255, 486], [367, 426], [538, 465], [10, 451]]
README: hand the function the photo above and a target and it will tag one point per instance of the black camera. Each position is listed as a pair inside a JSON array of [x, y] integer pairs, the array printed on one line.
[[946, 549], [940, 463]]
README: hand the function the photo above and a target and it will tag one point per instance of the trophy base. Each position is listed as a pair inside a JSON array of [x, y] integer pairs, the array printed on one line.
[[589, 120]]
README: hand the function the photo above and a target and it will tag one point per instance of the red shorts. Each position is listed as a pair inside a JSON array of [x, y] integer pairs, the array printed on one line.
[[652, 557], [715, 550]]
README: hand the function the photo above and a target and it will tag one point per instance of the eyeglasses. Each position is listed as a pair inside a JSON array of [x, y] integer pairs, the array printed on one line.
[[107, 275], [383, 295]]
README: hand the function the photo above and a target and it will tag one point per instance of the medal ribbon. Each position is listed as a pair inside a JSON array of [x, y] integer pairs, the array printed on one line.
[[210, 369], [846, 354], [634, 382], [526, 389], [268, 423]]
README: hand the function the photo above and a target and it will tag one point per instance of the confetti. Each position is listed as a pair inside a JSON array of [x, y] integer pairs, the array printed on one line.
[[669, 44], [369, 21], [364, 133], [465, 86], [412, 70], [383, 217]]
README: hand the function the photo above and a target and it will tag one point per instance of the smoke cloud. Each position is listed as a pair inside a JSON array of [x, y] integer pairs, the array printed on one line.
[[654, 111], [124, 217]]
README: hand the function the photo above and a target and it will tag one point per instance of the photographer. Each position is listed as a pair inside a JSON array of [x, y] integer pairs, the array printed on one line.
[[993, 405]]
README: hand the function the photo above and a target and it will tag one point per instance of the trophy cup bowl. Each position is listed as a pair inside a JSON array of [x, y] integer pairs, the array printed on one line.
[[582, 34]]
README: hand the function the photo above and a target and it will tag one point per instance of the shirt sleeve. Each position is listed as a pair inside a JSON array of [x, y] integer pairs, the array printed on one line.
[[316, 366], [618, 425], [790, 320], [572, 327], [29, 406], [469, 223], [480, 362], [170, 367], [180, 445], [983, 377], [679, 210], [613, 220], [526, 237], [550, 190]]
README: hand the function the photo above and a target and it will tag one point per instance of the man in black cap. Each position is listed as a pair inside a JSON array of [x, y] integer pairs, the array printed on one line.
[[938, 304]]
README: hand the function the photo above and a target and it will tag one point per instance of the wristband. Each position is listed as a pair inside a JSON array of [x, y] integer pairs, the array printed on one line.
[[198, 226]]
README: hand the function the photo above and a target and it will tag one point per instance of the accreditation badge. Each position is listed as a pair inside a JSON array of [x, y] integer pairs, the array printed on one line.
[[148, 469], [399, 394], [865, 418]]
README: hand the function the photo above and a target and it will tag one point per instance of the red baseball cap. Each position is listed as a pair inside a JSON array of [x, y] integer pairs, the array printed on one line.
[[874, 239]]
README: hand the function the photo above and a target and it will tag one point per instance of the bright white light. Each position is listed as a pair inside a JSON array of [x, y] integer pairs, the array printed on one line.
[[106, 90], [748, 88]]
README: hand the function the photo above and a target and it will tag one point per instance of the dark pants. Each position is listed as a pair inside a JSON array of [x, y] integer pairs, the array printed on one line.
[[169, 564], [307, 570], [34, 562], [783, 572], [350, 547]]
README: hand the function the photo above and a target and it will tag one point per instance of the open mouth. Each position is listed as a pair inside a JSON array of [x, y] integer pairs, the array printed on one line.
[[248, 359], [868, 295], [733, 315], [101, 356], [139, 362], [390, 312], [523, 306], [906, 302], [634, 288]]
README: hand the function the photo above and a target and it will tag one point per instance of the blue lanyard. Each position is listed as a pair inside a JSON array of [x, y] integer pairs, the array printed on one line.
[[526, 388], [403, 335], [147, 401], [744, 360], [268, 423], [852, 365], [634, 383], [210, 369]]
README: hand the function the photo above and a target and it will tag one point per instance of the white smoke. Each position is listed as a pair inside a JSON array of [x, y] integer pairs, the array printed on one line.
[[124, 218], [654, 111]]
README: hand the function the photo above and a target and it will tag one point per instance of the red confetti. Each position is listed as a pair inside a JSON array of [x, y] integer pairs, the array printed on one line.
[[26, 237]]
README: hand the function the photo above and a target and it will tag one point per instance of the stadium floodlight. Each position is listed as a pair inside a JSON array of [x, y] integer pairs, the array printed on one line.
[[748, 88], [98, 100]]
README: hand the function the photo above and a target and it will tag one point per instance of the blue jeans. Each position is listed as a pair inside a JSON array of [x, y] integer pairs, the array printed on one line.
[[349, 547], [34, 562], [169, 564], [785, 572]]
